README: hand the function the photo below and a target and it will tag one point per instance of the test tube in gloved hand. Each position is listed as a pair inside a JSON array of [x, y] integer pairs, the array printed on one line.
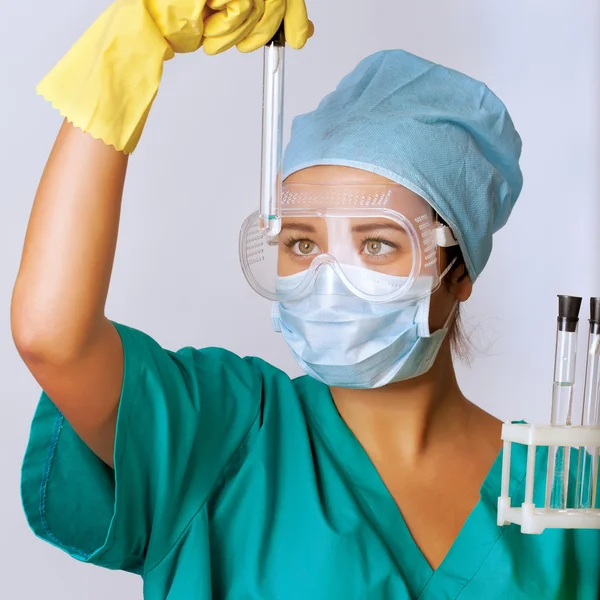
[[272, 135]]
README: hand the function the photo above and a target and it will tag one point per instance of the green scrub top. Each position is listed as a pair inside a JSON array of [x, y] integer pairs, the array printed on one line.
[[233, 481]]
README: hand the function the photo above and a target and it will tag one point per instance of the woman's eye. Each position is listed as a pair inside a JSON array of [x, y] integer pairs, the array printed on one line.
[[377, 248], [306, 247]]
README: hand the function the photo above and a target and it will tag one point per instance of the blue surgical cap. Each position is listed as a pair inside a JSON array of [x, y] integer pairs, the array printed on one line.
[[434, 130]]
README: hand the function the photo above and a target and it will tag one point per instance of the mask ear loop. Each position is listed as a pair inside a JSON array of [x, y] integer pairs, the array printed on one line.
[[445, 239], [447, 269]]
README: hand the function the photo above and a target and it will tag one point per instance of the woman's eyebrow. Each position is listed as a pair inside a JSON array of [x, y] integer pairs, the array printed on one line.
[[369, 227], [298, 227]]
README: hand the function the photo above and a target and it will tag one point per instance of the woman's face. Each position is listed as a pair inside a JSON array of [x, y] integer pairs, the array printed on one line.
[[378, 244], [374, 242]]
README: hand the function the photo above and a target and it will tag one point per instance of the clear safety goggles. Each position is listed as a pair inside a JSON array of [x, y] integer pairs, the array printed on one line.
[[383, 231]]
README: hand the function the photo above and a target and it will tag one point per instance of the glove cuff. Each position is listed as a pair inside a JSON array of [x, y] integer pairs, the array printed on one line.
[[107, 82]]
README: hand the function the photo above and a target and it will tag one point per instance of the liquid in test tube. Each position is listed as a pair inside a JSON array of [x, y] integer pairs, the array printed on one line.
[[562, 398], [587, 467]]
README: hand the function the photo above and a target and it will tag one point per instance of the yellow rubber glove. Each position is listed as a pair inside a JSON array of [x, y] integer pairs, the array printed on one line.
[[107, 82], [250, 24]]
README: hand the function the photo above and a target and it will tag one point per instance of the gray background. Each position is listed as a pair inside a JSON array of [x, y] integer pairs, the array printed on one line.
[[195, 178]]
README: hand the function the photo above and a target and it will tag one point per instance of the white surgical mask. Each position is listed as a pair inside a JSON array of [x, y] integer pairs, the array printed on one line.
[[344, 341]]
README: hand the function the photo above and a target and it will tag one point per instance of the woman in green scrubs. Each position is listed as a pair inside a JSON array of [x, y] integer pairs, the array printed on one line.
[[216, 476]]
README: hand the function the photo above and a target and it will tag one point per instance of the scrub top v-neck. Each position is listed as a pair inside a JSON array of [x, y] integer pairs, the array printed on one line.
[[233, 481], [463, 559]]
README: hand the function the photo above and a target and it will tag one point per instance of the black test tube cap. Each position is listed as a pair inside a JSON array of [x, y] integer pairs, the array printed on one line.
[[279, 38], [595, 310], [595, 315], [568, 312]]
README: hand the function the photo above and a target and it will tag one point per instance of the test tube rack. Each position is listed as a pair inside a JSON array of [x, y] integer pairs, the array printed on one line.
[[531, 518]]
